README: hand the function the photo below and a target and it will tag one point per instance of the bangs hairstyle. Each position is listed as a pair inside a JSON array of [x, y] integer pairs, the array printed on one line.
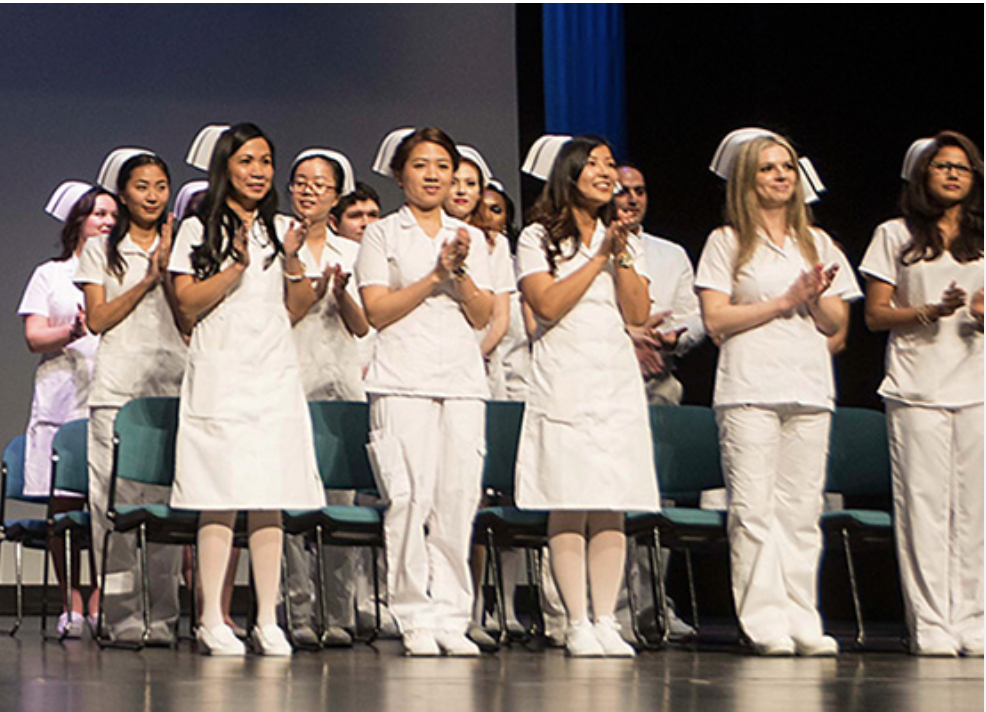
[[554, 207], [122, 227], [429, 134], [922, 212], [743, 212], [337, 173], [71, 233], [219, 221]]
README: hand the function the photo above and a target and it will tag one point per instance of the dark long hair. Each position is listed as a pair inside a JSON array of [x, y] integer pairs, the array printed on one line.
[[72, 229], [553, 208], [122, 227], [219, 220], [428, 134], [922, 212]]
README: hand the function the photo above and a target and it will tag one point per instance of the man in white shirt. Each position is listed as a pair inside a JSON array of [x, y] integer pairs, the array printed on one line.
[[675, 326]]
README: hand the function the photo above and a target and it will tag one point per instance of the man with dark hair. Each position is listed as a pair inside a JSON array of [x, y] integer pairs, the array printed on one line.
[[354, 211]]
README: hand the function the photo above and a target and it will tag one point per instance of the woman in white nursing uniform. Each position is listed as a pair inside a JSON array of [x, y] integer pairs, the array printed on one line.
[[55, 327], [331, 369], [772, 289], [924, 276], [585, 449], [424, 280], [244, 437], [141, 353]]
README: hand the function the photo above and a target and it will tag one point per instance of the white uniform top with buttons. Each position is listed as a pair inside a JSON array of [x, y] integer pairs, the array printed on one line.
[[785, 361], [144, 355], [586, 441], [328, 354], [432, 351], [504, 282], [62, 380], [672, 288], [940, 364], [245, 436]]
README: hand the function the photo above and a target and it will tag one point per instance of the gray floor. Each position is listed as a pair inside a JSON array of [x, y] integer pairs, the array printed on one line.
[[78, 677]]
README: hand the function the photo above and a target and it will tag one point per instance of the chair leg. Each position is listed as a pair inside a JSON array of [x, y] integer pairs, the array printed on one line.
[[662, 614], [632, 601], [145, 585], [67, 599], [495, 565], [692, 594], [19, 570], [285, 591], [857, 607], [535, 568], [102, 639]]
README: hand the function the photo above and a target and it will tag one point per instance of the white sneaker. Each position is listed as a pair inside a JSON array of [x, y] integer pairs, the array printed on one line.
[[607, 632], [581, 641], [70, 625], [774, 648], [420, 643], [935, 644], [824, 646], [456, 645], [269, 640], [219, 641]]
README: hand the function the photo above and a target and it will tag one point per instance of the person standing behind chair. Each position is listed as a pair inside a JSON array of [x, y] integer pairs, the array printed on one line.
[[55, 327], [925, 286], [141, 353], [772, 288], [328, 354], [245, 435], [585, 448], [425, 284]]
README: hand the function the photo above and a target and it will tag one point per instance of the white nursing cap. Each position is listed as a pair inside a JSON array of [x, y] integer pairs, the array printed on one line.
[[348, 177], [388, 147], [725, 156], [65, 197], [471, 154], [200, 153], [109, 173], [185, 195], [541, 156], [496, 185], [913, 155]]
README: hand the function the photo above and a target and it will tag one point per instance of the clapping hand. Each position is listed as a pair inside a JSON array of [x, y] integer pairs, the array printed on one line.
[[241, 246], [952, 299], [294, 238]]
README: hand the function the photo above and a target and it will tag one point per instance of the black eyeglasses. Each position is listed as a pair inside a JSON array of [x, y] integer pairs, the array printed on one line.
[[948, 167]]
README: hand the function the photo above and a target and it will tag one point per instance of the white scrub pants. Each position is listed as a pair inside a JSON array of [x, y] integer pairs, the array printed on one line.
[[122, 594], [774, 462], [427, 455], [937, 461]]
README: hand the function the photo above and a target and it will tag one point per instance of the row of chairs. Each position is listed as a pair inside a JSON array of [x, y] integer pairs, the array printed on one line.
[[685, 450]]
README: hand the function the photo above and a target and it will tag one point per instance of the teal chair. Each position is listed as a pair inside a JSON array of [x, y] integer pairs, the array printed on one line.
[[341, 432], [144, 451], [25, 532], [505, 526], [859, 470], [69, 473], [686, 455]]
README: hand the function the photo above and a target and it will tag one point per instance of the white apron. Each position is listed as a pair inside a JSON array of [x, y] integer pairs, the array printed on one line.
[[586, 439], [245, 435]]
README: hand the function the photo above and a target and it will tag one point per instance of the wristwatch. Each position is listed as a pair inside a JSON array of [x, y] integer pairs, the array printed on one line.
[[624, 260]]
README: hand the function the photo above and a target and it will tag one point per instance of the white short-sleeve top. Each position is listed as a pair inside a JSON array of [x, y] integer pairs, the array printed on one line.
[[328, 354], [786, 360], [940, 364], [143, 355], [502, 266], [432, 351]]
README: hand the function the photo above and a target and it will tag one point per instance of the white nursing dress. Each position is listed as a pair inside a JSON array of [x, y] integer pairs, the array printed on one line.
[[586, 439], [245, 435]]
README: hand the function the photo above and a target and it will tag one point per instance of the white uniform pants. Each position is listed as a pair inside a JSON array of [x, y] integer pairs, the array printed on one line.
[[122, 595], [427, 456], [937, 460], [774, 461]]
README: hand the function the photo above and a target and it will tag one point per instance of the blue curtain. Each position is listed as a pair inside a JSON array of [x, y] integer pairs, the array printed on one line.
[[584, 89]]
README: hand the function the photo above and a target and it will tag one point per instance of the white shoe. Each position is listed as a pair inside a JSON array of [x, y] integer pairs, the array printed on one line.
[[774, 648], [420, 643], [581, 641], [607, 632], [305, 638], [455, 645], [219, 641], [70, 625], [971, 648], [478, 635], [270, 640], [935, 644], [678, 630], [824, 646], [337, 637]]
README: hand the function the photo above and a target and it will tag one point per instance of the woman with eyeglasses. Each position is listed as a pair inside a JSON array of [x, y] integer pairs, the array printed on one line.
[[245, 436], [772, 288], [924, 275]]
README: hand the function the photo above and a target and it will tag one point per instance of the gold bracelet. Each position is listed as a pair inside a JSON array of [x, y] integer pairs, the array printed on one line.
[[923, 317], [293, 277]]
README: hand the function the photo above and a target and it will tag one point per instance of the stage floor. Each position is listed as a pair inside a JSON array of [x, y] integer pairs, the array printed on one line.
[[78, 677]]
